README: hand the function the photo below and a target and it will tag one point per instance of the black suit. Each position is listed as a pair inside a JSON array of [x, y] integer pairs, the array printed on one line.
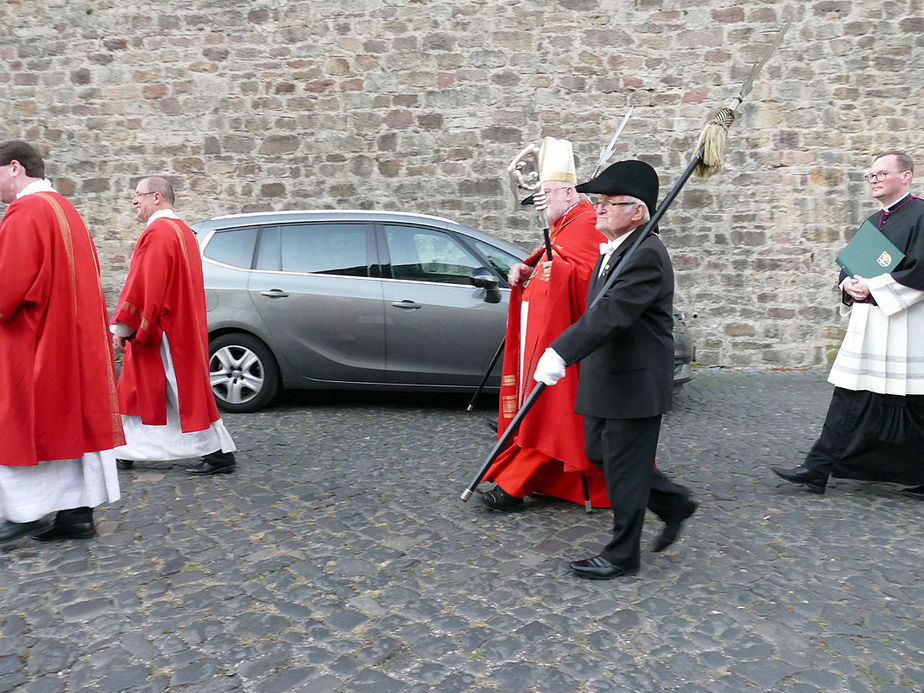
[[626, 348]]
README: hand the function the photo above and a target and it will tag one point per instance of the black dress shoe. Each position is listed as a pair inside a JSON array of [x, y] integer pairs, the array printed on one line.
[[75, 523], [213, 463], [916, 492], [671, 529], [598, 568], [813, 480], [125, 464], [11, 531], [498, 499]]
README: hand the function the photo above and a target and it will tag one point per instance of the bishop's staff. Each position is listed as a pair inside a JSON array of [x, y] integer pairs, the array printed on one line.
[[710, 149], [525, 173]]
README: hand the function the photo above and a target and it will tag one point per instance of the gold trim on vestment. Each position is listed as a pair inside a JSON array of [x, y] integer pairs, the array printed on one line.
[[65, 230], [118, 436], [203, 357]]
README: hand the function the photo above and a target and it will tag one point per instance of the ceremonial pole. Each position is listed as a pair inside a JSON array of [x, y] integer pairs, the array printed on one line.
[[710, 150]]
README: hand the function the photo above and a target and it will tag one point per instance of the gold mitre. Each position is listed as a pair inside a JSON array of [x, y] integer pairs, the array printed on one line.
[[556, 161]]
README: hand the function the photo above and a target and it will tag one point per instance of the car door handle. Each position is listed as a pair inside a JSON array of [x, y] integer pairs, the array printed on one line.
[[406, 304], [274, 293]]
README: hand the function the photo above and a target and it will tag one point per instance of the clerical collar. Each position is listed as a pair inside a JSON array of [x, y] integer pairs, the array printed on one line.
[[896, 204], [161, 214], [36, 186]]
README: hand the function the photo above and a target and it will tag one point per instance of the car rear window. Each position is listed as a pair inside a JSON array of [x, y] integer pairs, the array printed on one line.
[[232, 246]]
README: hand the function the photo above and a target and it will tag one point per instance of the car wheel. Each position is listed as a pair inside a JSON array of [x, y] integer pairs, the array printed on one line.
[[243, 373]]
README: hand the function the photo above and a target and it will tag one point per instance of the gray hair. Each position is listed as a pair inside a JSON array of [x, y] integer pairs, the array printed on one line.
[[162, 186], [639, 202]]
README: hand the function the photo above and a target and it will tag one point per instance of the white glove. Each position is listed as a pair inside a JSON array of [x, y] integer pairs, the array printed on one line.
[[550, 369], [540, 201]]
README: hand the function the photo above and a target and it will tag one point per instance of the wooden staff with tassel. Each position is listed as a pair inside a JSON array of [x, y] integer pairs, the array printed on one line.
[[710, 150]]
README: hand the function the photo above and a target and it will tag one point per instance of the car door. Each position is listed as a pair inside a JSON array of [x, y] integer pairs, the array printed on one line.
[[439, 329], [312, 287]]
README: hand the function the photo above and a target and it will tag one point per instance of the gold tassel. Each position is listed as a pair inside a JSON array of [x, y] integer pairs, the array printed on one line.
[[712, 140]]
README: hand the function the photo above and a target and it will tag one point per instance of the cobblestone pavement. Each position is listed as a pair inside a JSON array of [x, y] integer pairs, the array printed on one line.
[[339, 557]]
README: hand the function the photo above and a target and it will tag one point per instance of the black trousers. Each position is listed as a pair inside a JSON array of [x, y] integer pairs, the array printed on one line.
[[624, 449], [871, 437]]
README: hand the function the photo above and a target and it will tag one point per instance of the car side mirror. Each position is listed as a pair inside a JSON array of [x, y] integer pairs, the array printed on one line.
[[485, 279]]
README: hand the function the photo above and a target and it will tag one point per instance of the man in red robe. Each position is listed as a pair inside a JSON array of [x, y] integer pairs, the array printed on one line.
[[59, 417], [168, 409], [546, 455]]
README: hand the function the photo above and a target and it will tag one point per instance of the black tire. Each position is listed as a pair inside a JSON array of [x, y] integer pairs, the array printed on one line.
[[243, 372]]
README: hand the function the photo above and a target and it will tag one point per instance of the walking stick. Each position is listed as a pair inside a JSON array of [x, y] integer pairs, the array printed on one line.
[[487, 374], [710, 149], [586, 490]]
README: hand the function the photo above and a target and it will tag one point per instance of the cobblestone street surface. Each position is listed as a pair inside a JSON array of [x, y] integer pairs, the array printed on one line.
[[339, 557]]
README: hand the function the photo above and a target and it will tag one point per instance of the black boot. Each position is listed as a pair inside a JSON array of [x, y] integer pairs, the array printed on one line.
[[76, 523], [217, 462]]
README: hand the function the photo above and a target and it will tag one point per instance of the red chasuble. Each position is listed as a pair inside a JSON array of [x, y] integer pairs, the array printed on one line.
[[551, 433], [164, 294], [57, 378]]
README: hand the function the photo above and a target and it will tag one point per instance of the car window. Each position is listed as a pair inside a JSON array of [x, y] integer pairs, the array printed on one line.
[[232, 246], [500, 260], [324, 249], [428, 255]]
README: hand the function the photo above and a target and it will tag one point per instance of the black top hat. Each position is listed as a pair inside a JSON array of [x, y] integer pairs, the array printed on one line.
[[635, 178]]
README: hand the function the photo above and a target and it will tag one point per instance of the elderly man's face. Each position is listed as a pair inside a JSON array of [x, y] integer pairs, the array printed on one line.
[[560, 198], [617, 215]]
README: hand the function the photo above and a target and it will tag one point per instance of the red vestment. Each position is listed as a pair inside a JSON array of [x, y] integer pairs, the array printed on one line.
[[57, 375], [164, 294], [547, 452]]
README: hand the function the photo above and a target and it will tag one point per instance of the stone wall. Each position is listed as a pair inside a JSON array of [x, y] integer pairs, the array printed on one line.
[[418, 105]]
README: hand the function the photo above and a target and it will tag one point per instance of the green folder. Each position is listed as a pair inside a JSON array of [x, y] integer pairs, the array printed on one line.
[[869, 253]]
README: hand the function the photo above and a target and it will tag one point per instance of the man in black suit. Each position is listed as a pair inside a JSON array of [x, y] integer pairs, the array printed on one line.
[[626, 349]]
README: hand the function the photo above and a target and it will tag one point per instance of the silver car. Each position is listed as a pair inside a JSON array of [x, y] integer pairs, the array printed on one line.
[[356, 300], [342, 300]]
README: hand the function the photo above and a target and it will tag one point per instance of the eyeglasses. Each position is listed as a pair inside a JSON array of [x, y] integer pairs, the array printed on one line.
[[878, 176], [136, 195], [607, 203]]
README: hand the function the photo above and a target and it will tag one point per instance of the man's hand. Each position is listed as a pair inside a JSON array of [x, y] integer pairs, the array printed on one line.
[[118, 344], [856, 288], [546, 270], [518, 274], [550, 368]]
